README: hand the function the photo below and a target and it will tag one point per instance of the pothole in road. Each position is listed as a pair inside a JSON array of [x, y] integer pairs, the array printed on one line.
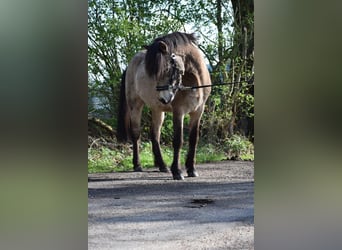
[[198, 203]]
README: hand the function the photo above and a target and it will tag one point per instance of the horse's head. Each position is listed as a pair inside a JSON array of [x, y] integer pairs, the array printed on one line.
[[172, 79], [166, 66]]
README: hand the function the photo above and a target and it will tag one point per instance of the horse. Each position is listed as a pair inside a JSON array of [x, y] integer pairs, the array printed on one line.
[[161, 77]]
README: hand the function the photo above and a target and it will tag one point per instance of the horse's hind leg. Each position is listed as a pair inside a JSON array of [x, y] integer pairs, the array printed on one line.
[[195, 118], [157, 121], [135, 133]]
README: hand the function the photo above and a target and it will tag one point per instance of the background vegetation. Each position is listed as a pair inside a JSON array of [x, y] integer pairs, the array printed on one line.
[[119, 29]]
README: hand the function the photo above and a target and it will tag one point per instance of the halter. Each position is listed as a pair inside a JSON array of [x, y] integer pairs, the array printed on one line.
[[175, 73]]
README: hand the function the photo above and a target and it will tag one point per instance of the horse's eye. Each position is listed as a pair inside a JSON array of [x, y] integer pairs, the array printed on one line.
[[173, 56]]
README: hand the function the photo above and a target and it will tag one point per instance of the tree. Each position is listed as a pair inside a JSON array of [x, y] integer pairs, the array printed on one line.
[[119, 29], [116, 31], [243, 51]]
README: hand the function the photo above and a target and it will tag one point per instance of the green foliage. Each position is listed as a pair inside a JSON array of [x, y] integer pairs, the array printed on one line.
[[209, 153], [104, 159], [120, 159], [101, 160], [167, 129], [116, 31], [238, 148]]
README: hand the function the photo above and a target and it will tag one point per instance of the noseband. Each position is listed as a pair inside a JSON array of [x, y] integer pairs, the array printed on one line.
[[176, 76]]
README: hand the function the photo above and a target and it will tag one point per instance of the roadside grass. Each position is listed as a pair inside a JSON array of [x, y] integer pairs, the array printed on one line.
[[103, 159]]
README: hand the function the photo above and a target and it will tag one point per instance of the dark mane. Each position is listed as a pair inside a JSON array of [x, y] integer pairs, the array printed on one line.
[[155, 61]]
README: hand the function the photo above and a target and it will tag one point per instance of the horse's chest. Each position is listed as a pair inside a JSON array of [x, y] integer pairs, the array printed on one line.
[[151, 99], [188, 100]]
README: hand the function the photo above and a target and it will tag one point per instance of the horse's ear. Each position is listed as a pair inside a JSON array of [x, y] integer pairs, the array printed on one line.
[[163, 47]]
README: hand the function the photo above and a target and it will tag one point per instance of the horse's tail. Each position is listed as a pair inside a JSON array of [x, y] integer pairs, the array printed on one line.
[[123, 113]]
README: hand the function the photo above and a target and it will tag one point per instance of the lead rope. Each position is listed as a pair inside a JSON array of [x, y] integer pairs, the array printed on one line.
[[181, 87]]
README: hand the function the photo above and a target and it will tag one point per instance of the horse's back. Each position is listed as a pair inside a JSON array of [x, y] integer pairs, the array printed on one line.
[[133, 67], [135, 70]]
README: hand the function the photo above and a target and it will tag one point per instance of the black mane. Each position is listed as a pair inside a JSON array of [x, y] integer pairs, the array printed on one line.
[[155, 61], [176, 39]]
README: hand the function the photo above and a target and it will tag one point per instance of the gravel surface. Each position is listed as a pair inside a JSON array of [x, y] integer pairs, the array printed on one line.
[[149, 210]]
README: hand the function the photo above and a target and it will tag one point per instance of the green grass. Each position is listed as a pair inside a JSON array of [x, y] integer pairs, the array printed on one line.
[[103, 160], [107, 160], [209, 153]]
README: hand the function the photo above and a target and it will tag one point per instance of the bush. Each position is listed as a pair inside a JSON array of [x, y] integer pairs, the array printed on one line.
[[238, 148]]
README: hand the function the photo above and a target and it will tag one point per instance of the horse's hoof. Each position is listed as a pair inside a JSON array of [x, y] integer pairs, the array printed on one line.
[[178, 177], [164, 170], [192, 174], [138, 169]]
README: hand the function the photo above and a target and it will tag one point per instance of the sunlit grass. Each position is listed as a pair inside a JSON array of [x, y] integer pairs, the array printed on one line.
[[107, 160]]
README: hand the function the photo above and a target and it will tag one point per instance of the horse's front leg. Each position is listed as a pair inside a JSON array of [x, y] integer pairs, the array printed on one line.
[[157, 121], [193, 141], [177, 144]]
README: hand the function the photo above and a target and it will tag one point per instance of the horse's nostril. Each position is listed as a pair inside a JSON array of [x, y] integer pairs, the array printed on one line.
[[162, 100]]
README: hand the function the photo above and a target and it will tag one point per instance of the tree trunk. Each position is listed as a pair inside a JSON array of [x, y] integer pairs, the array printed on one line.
[[244, 48]]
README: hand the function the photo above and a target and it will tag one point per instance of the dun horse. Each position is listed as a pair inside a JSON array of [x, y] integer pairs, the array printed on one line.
[[158, 77]]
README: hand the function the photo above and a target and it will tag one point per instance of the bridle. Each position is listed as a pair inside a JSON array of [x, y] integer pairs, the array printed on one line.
[[175, 81]]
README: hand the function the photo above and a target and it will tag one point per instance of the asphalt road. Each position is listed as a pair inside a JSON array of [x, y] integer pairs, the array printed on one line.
[[150, 210]]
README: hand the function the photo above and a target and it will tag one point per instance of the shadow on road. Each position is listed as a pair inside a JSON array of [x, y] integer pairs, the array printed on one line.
[[142, 202]]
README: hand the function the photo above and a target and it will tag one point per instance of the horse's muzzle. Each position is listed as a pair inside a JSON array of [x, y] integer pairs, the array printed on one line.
[[166, 97], [163, 101]]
